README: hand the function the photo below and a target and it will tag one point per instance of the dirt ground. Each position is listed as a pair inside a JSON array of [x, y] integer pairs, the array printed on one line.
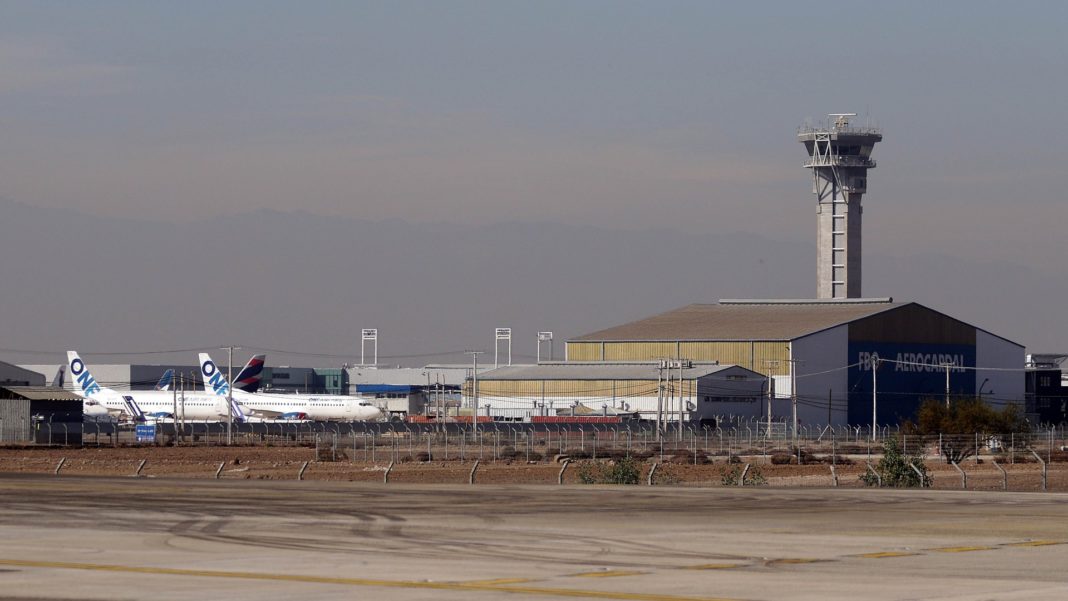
[[285, 463]]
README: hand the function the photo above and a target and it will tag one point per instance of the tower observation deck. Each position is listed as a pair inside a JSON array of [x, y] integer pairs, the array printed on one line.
[[839, 155]]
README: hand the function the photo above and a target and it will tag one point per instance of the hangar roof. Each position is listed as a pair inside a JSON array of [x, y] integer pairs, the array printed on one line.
[[746, 320], [39, 393], [644, 370]]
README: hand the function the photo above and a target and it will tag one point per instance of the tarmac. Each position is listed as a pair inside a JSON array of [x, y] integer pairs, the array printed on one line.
[[74, 538]]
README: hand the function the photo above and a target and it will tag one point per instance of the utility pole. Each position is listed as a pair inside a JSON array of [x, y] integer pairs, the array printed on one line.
[[174, 415], [771, 392], [947, 365], [182, 383], [660, 399], [474, 385], [230, 394], [770, 365], [874, 384], [682, 400], [793, 392]]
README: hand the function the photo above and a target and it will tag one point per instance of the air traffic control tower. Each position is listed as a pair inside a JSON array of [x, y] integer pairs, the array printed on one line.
[[839, 157]]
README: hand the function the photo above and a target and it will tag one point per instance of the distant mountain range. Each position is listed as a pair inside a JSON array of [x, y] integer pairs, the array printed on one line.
[[308, 283]]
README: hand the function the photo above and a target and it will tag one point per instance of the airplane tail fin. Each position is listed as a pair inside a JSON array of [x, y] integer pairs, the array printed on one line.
[[214, 381], [60, 377], [250, 376], [165, 380], [83, 380]]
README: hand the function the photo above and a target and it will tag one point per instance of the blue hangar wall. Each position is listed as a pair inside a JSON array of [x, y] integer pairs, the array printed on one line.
[[907, 336]]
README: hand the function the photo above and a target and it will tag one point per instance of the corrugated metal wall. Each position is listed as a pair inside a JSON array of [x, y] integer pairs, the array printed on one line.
[[584, 351], [749, 354], [639, 351], [536, 389], [15, 420]]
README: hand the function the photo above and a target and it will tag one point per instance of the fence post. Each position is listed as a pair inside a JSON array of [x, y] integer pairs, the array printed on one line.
[[871, 469], [963, 476], [60, 466], [834, 476], [1039, 457], [140, 467], [300, 474], [918, 473], [385, 475], [652, 471], [218, 472], [474, 468], [741, 479], [1004, 475], [560, 476]]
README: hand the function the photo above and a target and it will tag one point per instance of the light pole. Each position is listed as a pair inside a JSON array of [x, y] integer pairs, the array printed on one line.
[[474, 386], [948, 365], [874, 387], [230, 394]]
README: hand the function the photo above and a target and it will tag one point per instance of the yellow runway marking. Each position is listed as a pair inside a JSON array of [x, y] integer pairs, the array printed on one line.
[[448, 586], [715, 566], [960, 549], [496, 581], [607, 574], [792, 560], [885, 554], [1035, 543]]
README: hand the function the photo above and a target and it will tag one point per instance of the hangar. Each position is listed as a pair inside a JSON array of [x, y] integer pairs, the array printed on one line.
[[673, 389], [828, 347], [42, 414]]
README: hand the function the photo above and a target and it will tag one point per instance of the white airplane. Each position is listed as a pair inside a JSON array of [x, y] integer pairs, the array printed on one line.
[[139, 405], [92, 407], [326, 407]]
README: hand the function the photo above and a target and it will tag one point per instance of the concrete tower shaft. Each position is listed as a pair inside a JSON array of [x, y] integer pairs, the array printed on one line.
[[839, 157]]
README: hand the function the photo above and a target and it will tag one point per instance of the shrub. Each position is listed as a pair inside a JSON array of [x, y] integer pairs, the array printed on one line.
[[754, 477], [622, 471], [591, 472], [895, 471], [964, 417], [783, 459]]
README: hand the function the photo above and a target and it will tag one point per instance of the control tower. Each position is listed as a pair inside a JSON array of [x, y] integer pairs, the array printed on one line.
[[839, 157]]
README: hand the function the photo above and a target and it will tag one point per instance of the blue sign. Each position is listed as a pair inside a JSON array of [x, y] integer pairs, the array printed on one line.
[[907, 375], [145, 432]]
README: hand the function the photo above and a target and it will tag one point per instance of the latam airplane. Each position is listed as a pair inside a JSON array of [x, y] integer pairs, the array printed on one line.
[[326, 407], [138, 405]]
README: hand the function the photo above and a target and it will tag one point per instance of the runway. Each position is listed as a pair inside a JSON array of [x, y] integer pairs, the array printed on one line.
[[126, 538]]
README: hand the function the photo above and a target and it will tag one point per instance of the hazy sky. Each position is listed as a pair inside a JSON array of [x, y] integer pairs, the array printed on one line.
[[619, 114]]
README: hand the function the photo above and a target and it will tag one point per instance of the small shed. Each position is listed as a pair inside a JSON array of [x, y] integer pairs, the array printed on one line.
[[41, 414]]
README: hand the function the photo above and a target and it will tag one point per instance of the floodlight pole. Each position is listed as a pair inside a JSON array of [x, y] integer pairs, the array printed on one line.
[[874, 388], [230, 394], [947, 365], [174, 416], [474, 386]]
